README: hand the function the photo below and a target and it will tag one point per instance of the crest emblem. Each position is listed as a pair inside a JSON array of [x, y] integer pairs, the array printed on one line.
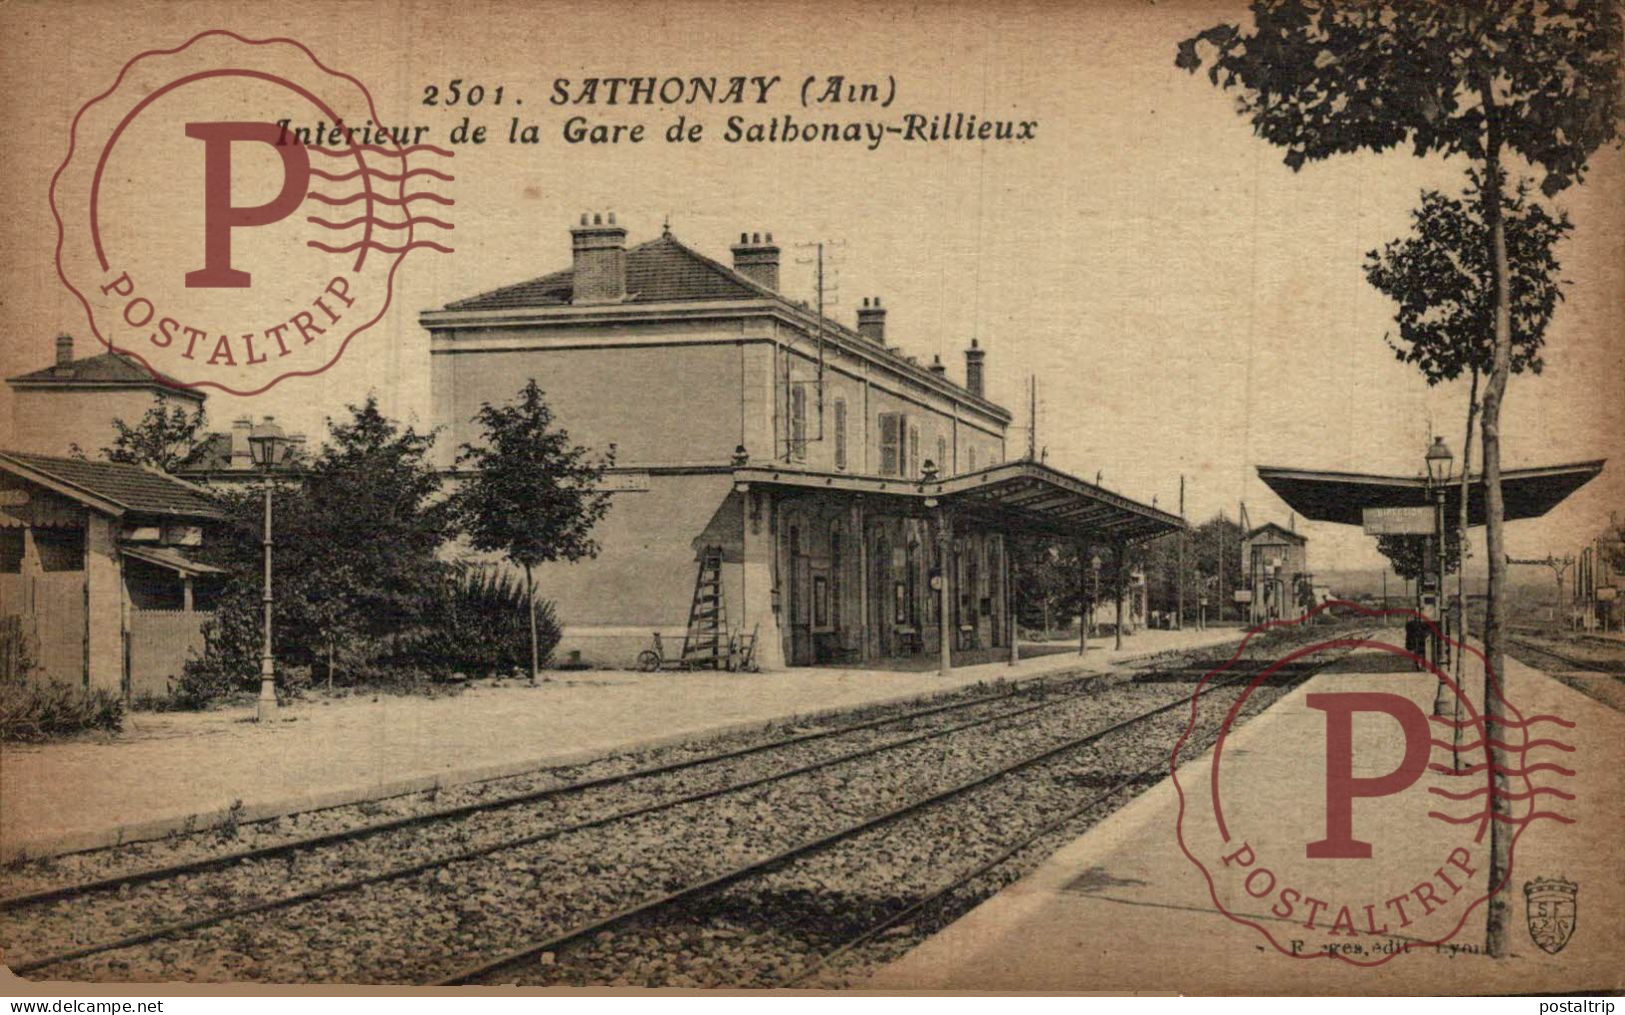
[[1552, 910]]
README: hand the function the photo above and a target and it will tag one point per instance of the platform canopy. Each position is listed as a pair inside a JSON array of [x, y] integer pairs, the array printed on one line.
[[1021, 496], [1343, 496]]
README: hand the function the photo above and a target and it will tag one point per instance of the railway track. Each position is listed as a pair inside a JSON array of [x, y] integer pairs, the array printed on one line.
[[215, 861], [555, 868], [676, 921], [1596, 679]]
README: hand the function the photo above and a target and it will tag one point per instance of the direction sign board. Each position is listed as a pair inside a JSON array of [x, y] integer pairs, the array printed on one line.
[[1243, 595], [1398, 521]]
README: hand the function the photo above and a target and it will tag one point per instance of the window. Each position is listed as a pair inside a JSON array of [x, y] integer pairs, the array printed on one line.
[[893, 449], [798, 422], [913, 451], [840, 433], [970, 457], [942, 456], [60, 549]]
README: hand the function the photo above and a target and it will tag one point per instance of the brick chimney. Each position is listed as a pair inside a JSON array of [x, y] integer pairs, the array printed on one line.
[[938, 367], [872, 321], [242, 456], [64, 350], [599, 256], [757, 258], [973, 369]]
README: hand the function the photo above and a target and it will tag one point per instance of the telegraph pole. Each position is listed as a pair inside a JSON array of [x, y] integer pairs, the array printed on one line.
[[1179, 609], [824, 289]]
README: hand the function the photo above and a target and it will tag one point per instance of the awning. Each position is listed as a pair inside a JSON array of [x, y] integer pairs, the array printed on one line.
[[174, 560], [1022, 496], [1343, 496]]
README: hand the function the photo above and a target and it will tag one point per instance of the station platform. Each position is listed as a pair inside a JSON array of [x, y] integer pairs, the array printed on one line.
[[169, 772], [1123, 909]]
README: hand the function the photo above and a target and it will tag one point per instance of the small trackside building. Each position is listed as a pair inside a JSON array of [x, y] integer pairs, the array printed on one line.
[[851, 497], [98, 577]]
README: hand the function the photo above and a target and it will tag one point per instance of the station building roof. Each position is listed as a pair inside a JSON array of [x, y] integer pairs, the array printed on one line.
[[1343, 496], [111, 487], [1021, 496]]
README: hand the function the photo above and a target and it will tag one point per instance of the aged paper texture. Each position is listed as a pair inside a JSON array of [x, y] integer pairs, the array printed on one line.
[[1109, 497]]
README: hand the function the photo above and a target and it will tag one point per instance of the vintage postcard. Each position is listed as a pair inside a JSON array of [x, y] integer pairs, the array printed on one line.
[[1112, 497]]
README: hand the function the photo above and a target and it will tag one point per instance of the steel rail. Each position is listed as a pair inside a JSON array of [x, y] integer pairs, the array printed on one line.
[[477, 972], [1576, 665], [1004, 855], [273, 850], [282, 902]]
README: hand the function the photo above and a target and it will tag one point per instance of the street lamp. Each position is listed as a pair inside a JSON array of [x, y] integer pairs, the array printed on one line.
[[270, 447], [1438, 462]]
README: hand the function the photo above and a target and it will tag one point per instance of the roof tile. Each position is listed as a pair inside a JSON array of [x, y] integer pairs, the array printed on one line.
[[138, 489]]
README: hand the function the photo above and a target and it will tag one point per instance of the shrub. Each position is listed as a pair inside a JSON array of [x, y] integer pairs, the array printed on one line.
[[40, 710], [477, 626]]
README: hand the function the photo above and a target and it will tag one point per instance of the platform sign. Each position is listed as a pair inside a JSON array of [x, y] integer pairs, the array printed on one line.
[[1243, 595], [1607, 593], [1398, 521]]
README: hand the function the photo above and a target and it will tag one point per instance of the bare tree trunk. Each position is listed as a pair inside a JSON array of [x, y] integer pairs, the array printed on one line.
[[530, 602], [1496, 932], [1463, 519]]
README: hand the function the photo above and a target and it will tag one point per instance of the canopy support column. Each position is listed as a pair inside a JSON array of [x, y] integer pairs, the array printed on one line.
[[945, 540], [1009, 600], [1085, 604], [1120, 551]]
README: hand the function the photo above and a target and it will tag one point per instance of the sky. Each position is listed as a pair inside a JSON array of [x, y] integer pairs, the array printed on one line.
[[1188, 305]]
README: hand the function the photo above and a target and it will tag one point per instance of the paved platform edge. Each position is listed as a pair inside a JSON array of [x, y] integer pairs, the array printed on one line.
[[197, 821]]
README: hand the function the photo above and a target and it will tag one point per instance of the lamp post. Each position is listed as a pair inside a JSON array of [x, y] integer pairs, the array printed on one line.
[[1438, 461], [269, 446]]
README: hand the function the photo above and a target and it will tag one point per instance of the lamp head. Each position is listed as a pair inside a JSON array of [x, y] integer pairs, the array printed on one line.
[[1438, 461], [269, 444]]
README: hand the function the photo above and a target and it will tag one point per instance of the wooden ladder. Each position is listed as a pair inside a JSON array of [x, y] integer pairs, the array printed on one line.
[[705, 642]]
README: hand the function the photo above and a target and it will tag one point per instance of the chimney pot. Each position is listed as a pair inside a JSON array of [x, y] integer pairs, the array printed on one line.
[[242, 455], [974, 366], [64, 350], [872, 320], [599, 260], [937, 366], [757, 259]]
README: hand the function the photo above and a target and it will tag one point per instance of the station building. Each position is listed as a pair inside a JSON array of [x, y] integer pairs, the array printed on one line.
[[854, 504], [100, 585], [1276, 563]]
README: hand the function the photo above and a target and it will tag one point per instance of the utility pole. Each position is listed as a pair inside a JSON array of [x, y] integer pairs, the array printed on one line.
[[824, 290], [1179, 609], [1032, 418]]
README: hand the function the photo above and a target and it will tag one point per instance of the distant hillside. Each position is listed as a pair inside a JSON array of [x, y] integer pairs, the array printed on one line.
[[1535, 583]]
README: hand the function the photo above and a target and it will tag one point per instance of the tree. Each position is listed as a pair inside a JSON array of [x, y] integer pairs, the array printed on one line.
[[1443, 283], [1411, 557], [163, 437], [533, 496], [1044, 576], [1486, 80], [357, 535]]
